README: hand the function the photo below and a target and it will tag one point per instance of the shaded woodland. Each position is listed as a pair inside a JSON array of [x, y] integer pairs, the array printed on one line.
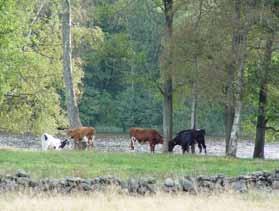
[[165, 64]]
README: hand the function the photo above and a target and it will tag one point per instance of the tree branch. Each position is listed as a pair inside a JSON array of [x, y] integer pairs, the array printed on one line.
[[35, 18], [272, 128], [160, 89]]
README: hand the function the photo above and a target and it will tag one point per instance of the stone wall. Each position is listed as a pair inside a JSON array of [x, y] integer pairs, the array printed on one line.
[[22, 181]]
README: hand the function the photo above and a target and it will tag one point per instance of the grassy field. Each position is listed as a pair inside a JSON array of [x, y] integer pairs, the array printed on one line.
[[163, 202], [88, 164]]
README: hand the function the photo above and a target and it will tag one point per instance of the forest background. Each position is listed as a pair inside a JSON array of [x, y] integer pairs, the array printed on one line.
[[133, 58]]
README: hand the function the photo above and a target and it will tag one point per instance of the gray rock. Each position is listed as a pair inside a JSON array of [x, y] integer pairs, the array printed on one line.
[[239, 186], [124, 184], [132, 185], [21, 173], [258, 173], [151, 188], [169, 182], [171, 186], [142, 190], [247, 177], [86, 187], [8, 185], [68, 189], [24, 181], [62, 183], [206, 185], [275, 185], [95, 181], [187, 185], [86, 181], [149, 180], [33, 184], [73, 179], [221, 180], [11, 178], [53, 184]]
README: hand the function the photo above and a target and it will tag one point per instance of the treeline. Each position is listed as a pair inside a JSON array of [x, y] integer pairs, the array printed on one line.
[[166, 64]]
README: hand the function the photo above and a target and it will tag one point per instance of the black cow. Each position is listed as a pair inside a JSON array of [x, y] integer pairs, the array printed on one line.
[[188, 138]]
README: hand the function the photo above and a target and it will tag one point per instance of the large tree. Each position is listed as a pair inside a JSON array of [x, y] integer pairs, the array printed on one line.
[[239, 46], [268, 24], [71, 102], [166, 69]]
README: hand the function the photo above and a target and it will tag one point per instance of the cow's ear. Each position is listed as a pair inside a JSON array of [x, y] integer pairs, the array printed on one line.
[[45, 137]]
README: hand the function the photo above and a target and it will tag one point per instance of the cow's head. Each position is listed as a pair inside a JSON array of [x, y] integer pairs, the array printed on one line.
[[64, 143], [171, 145]]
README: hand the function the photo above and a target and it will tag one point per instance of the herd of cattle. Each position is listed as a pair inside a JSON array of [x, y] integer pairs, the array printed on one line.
[[83, 137]]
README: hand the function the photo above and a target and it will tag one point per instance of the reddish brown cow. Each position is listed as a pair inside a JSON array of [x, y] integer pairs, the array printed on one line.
[[144, 135], [79, 133]]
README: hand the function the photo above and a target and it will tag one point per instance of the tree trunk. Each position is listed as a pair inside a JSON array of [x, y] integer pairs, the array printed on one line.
[[167, 75], [261, 119], [229, 107], [239, 54], [194, 107], [194, 95], [72, 108], [167, 113], [194, 99]]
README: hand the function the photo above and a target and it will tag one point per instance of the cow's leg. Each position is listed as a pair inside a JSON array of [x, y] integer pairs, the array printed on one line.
[[132, 143], [90, 142], [76, 145], [44, 146], [83, 143], [193, 148], [204, 147], [185, 148], [201, 144], [93, 140], [152, 147], [79, 147], [200, 147]]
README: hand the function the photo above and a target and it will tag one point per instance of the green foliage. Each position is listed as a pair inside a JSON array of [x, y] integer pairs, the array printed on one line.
[[32, 69], [138, 108], [119, 74]]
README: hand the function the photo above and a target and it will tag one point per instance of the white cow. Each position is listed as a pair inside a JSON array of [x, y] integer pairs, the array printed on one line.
[[50, 142]]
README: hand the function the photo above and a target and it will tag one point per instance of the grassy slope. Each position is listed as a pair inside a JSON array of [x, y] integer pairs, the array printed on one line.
[[89, 164]]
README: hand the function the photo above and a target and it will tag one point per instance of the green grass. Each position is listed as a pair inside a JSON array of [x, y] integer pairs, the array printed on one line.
[[90, 164]]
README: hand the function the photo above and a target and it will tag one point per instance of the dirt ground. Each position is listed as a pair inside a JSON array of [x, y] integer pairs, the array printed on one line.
[[120, 143]]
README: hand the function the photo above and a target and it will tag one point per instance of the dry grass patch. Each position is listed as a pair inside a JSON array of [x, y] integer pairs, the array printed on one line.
[[162, 202]]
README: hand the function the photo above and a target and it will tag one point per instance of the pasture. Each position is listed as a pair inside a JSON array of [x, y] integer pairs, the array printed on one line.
[[88, 164]]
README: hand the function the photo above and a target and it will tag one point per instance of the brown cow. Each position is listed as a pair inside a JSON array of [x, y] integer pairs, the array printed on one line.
[[79, 133], [144, 135]]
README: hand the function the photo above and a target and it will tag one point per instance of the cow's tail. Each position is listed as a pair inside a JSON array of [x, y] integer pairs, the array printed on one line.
[[62, 128]]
